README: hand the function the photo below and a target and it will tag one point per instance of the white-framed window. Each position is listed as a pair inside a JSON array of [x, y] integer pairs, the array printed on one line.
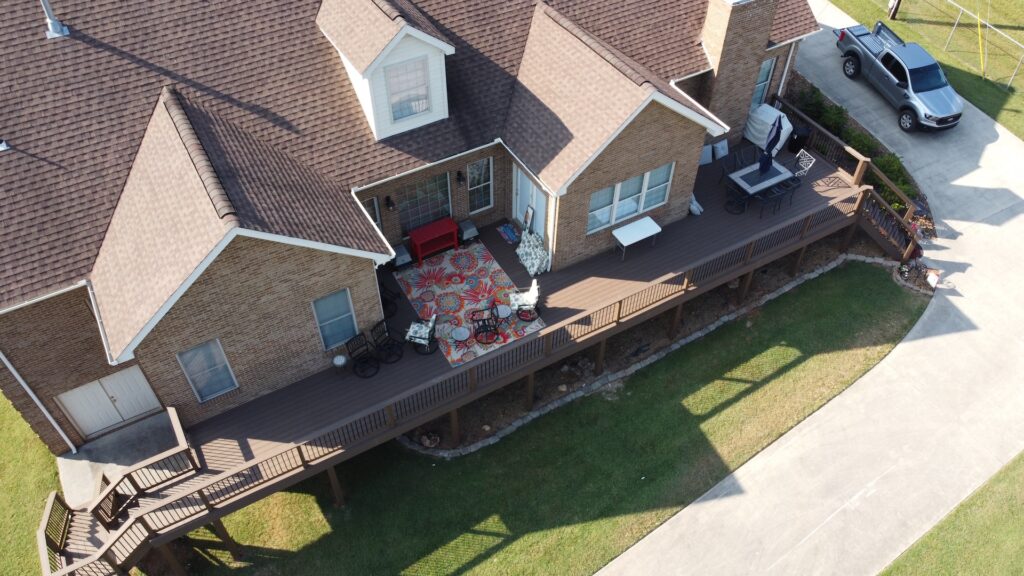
[[425, 202], [207, 370], [626, 199], [373, 209], [408, 86], [336, 318], [480, 181], [764, 80]]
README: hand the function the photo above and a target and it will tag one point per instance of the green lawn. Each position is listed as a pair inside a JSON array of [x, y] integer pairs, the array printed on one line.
[[929, 22], [27, 475], [573, 489], [983, 535]]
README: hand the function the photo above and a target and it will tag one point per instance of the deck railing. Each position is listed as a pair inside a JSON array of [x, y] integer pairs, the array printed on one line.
[[888, 227], [53, 532], [845, 157], [231, 489], [117, 496]]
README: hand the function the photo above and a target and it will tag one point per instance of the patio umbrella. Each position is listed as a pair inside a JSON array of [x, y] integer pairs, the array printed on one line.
[[773, 140]]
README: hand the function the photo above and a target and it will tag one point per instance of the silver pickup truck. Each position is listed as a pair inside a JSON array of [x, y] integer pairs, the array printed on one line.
[[905, 74]]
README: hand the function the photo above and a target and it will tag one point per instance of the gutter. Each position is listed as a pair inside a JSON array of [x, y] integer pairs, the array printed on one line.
[[37, 299], [38, 403]]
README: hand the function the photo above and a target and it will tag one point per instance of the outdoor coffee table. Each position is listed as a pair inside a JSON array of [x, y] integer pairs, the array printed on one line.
[[460, 334], [751, 181], [634, 232]]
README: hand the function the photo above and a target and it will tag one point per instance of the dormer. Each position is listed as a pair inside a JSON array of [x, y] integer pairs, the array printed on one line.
[[394, 58]]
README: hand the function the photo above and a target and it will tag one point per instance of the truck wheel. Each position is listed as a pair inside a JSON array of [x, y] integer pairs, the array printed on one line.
[[851, 67], [908, 120]]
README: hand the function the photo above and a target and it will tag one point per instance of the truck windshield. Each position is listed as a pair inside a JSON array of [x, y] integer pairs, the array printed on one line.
[[927, 78]]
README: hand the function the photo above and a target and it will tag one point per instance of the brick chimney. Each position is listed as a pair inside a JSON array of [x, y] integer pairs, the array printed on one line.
[[735, 36]]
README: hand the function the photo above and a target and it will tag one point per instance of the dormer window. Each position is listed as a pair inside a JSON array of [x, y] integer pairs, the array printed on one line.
[[395, 61], [408, 86]]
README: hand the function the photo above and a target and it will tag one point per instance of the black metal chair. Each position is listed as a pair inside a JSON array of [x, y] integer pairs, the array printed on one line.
[[364, 361], [772, 198], [485, 326], [736, 200], [389, 300], [389, 350], [501, 313]]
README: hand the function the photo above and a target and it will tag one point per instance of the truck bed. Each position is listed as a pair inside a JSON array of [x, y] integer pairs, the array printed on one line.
[[867, 39]]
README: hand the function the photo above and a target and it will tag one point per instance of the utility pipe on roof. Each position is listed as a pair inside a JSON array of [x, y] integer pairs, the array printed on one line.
[[39, 403]]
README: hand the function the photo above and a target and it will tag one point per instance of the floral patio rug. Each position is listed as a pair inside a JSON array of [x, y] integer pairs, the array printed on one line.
[[455, 283]]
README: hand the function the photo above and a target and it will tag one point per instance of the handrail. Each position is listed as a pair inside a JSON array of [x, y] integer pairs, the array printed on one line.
[[104, 507], [334, 439], [49, 547], [863, 161], [877, 172]]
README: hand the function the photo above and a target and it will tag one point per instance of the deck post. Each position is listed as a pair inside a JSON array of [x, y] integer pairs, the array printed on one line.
[[748, 279], [217, 526], [171, 561], [677, 318], [453, 422], [601, 349], [529, 391], [858, 214], [860, 171], [339, 494], [799, 260]]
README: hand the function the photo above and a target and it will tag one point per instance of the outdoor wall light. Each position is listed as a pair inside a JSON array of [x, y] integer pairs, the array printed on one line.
[[460, 177], [389, 203]]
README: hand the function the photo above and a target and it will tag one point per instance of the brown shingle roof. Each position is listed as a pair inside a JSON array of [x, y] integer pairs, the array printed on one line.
[[75, 110], [171, 214], [793, 19]]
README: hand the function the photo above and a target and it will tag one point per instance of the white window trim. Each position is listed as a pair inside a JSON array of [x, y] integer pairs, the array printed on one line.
[[227, 363], [469, 190], [375, 216], [767, 83], [640, 205], [387, 91], [316, 319]]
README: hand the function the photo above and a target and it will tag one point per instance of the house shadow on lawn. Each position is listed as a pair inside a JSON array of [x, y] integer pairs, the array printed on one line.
[[574, 489]]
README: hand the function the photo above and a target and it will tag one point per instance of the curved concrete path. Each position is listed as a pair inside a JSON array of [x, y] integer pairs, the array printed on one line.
[[854, 485]]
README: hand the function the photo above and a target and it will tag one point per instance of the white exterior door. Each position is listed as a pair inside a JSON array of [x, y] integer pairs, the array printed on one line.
[[527, 195], [109, 401]]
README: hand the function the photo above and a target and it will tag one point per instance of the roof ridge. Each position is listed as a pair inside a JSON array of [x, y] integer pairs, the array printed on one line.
[[204, 167], [388, 9], [610, 54]]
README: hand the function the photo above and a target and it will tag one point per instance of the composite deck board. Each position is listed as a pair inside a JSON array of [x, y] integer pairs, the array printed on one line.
[[274, 421]]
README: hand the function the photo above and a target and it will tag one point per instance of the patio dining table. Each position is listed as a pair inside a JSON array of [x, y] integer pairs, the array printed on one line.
[[752, 181]]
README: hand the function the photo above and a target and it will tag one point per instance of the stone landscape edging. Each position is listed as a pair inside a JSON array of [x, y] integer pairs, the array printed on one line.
[[613, 377]]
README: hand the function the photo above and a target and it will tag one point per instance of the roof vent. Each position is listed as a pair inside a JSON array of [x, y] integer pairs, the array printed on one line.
[[54, 27], [4, 146]]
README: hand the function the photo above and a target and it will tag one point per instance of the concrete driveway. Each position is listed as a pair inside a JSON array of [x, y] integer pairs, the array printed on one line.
[[854, 485]]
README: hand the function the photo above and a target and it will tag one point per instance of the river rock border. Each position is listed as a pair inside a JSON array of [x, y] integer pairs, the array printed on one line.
[[615, 377]]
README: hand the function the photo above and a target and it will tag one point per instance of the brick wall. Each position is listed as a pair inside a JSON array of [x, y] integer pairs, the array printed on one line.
[[736, 37], [501, 182], [656, 137], [257, 299], [55, 345]]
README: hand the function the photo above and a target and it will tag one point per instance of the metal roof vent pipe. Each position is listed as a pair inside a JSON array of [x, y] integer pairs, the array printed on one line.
[[4, 146], [54, 27]]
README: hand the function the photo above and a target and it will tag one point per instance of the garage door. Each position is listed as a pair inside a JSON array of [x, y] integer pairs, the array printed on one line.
[[109, 401]]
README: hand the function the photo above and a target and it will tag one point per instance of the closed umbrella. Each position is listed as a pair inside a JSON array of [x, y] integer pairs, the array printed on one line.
[[773, 140]]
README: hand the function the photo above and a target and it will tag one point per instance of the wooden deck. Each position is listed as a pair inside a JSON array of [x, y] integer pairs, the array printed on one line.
[[278, 419]]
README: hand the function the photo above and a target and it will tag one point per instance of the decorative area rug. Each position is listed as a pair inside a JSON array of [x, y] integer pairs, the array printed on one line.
[[509, 233], [455, 283]]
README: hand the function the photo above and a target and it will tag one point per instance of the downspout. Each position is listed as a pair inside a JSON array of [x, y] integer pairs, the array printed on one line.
[[99, 322], [39, 404], [785, 73]]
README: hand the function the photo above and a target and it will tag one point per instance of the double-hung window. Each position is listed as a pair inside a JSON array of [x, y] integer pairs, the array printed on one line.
[[625, 199], [408, 86], [481, 195], [425, 202], [207, 370], [335, 318], [764, 80]]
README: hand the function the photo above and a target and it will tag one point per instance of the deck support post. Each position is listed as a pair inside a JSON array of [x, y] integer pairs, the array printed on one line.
[[601, 349], [748, 279], [339, 494], [528, 400], [858, 212], [217, 526], [795, 268], [171, 561], [677, 319], [453, 422]]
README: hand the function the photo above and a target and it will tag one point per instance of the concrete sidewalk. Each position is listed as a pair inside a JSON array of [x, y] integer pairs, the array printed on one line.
[[851, 487]]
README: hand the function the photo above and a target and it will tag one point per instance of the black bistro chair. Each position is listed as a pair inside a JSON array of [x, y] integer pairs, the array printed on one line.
[[770, 198], [389, 350], [485, 326], [389, 300], [364, 361]]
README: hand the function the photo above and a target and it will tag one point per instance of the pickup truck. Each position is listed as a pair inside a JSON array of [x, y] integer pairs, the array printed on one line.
[[905, 74]]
